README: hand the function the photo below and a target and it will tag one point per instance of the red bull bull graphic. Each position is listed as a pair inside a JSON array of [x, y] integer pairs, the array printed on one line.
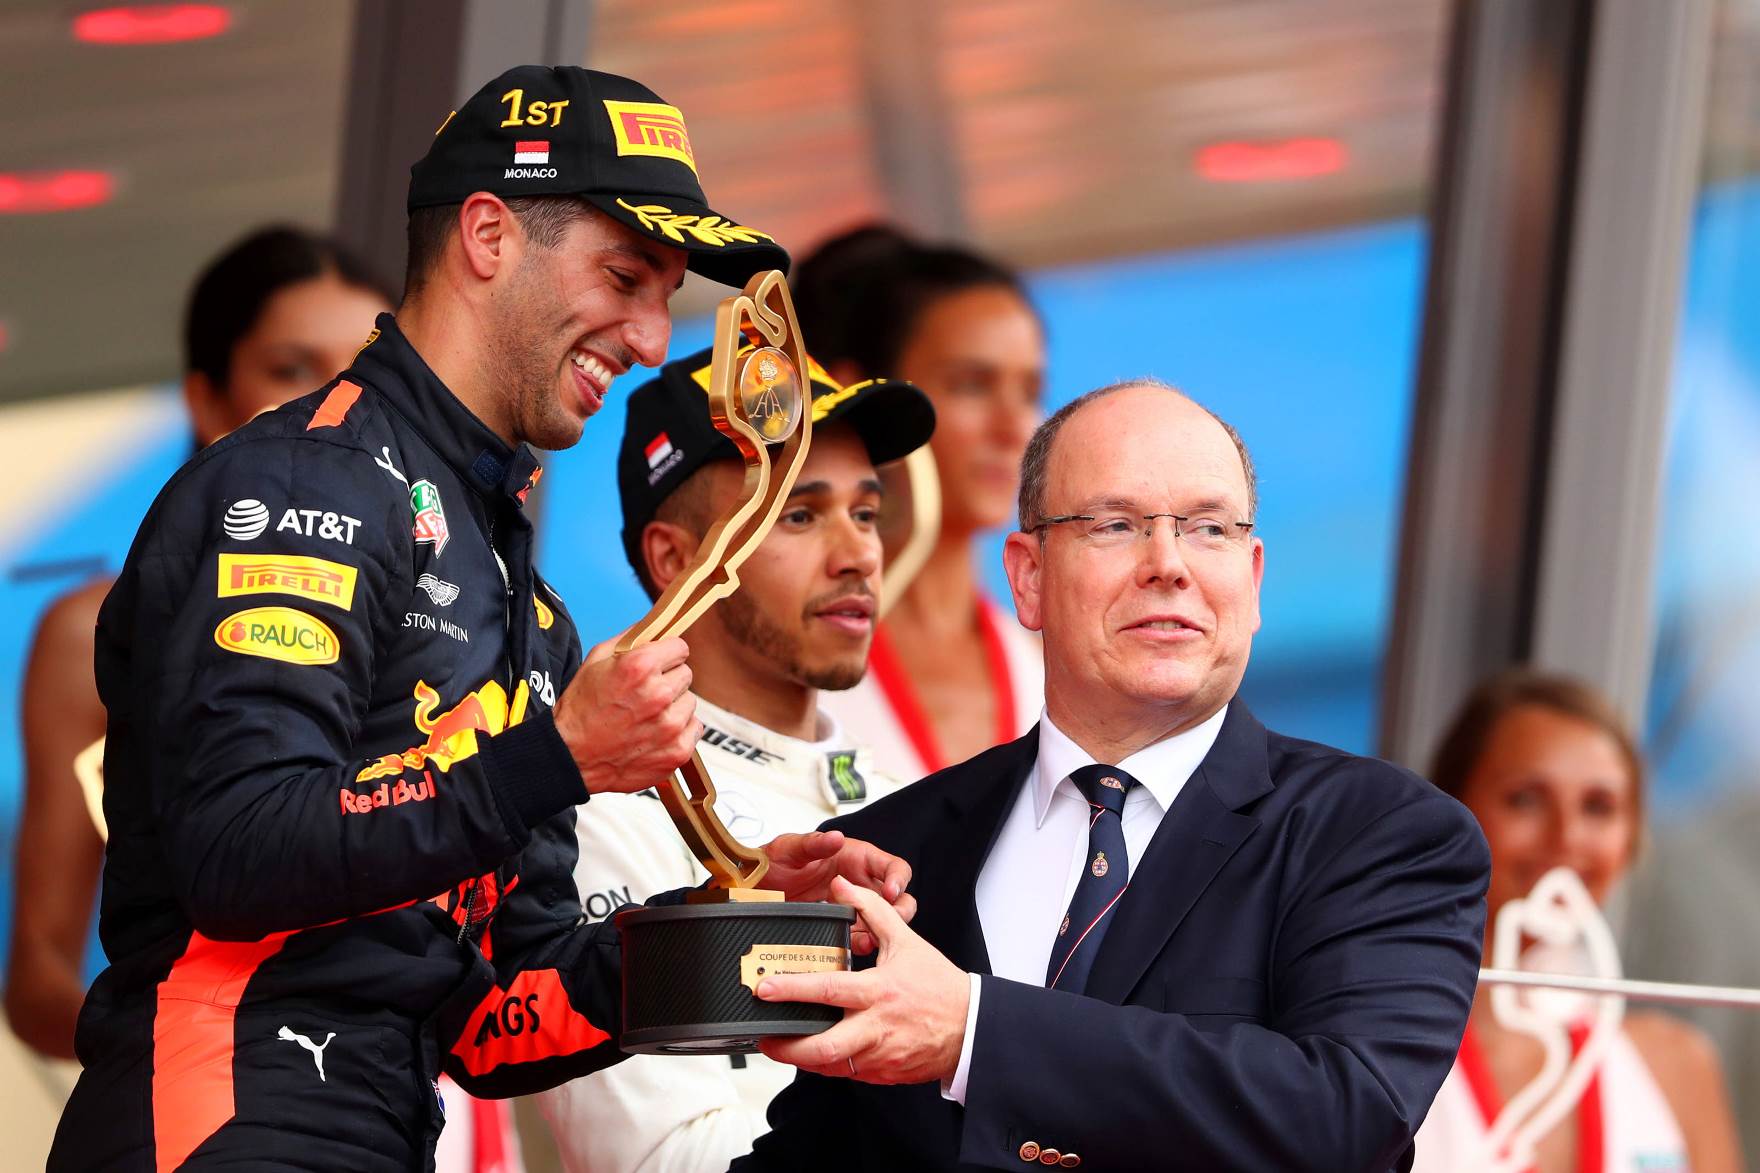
[[451, 736]]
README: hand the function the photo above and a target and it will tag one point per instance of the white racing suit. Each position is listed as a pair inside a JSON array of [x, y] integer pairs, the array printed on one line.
[[679, 1113]]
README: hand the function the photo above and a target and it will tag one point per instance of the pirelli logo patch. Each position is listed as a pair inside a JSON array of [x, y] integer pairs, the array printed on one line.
[[317, 579], [278, 633], [651, 128]]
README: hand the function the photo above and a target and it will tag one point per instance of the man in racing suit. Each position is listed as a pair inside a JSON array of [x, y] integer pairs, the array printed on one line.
[[802, 621], [348, 722]]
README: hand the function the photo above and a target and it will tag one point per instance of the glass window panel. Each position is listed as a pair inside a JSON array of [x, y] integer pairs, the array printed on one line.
[[1694, 911]]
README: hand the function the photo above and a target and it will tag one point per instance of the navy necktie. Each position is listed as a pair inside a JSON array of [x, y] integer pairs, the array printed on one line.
[[1105, 875]]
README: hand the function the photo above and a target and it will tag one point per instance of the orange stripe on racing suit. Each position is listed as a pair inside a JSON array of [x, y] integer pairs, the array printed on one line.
[[531, 1019], [192, 1041], [330, 413]]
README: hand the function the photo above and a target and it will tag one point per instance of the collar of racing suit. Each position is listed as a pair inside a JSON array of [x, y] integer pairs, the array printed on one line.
[[832, 770], [465, 442]]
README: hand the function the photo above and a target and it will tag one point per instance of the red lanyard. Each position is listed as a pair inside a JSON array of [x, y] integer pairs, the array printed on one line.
[[1590, 1158], [901, 694]]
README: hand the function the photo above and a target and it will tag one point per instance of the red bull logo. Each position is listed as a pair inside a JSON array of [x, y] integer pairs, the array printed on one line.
[[452, 736], [385, 794]]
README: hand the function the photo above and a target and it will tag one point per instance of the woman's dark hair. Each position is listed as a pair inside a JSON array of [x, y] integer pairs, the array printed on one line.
[[1458, 754], [861, 294], [229, 295]]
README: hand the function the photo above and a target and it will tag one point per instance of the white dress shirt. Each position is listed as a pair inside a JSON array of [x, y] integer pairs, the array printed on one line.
[[1030, 874]]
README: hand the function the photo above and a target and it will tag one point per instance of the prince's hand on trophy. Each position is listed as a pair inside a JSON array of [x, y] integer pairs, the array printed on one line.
[[905, 1019], [630, 720], [804, 866]]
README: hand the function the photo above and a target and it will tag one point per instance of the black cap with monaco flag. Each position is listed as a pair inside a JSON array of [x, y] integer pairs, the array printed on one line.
[[541, 130], [668, 433]]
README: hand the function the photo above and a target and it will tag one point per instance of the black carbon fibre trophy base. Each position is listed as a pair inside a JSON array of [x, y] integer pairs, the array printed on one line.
[[689, 972]]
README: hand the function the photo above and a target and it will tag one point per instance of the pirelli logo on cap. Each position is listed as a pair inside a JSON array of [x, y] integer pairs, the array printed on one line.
[[316, 579], [651, 128]]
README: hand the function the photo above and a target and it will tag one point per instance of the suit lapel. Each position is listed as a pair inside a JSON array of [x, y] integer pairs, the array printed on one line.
[[976, 799], [1197, 836]]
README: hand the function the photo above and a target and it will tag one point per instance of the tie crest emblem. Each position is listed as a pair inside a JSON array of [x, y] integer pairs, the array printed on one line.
[[1101, 878]]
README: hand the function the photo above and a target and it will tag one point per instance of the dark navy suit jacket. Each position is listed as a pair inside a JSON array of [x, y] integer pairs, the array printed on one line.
[[1283, 987]]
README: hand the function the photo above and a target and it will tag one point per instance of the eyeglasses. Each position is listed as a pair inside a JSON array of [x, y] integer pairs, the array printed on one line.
[[1211, 534]]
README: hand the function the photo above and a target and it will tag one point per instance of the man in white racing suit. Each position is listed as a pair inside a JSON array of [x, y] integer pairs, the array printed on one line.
[[801, 621]]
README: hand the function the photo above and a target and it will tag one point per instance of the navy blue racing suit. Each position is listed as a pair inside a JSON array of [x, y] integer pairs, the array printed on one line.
[[341, 817]]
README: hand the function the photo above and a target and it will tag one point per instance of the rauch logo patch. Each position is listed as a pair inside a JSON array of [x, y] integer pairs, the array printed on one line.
[[278, 633]]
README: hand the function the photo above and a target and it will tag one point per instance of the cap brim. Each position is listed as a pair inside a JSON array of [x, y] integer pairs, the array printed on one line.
[[718, 248], [894, 418]]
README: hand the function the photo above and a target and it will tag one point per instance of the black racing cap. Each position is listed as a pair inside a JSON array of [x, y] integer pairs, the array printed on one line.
[[668, 435], [541, 130]]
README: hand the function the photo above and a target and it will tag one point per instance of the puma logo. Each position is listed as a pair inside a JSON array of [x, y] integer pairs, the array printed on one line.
[[289, 1035]]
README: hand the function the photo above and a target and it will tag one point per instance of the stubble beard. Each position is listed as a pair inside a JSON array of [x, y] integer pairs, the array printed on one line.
[[517, 370], [755, 632]]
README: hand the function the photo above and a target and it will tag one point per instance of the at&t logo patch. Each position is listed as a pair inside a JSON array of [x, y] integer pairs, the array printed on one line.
[[245, 520]]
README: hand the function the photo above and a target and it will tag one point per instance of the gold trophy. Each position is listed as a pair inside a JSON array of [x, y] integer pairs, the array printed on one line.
[[690, 971]]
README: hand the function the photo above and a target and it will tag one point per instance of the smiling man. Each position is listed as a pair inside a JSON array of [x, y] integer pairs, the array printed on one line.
[[801, 622], [1153, 933], [348, 721]]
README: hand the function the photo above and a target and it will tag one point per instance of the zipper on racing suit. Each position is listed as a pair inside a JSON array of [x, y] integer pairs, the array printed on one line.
[[470, 893]]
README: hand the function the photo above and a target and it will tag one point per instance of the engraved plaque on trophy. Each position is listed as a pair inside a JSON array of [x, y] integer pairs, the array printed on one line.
[[690, 971]]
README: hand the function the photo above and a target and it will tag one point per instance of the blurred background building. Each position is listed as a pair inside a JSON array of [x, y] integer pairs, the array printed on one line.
[[1476, 279]]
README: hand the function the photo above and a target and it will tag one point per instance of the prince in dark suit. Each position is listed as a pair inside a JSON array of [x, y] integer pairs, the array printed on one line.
[[1152, 934]]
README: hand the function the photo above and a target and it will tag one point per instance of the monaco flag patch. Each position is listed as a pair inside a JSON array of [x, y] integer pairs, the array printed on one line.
[[532, 152], [659, 449]]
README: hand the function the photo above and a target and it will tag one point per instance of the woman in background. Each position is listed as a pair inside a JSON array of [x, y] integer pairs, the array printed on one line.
[[1555, 779], [270, 319], [951, 673]]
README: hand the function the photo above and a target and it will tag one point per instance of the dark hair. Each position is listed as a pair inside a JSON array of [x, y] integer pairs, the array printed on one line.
[[229, 295], [860, 295], [1461, 747], [1036, 460], [688, 506], [544, 218]]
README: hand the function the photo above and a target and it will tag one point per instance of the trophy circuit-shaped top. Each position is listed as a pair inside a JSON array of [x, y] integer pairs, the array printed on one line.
[[758, 400]]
